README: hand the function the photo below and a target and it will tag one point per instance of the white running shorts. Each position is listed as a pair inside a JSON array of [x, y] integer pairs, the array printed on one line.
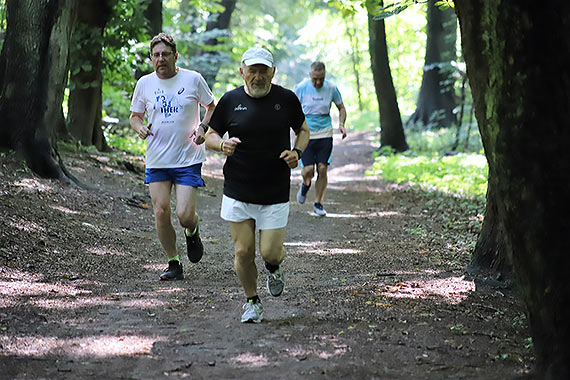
[[267, 217]]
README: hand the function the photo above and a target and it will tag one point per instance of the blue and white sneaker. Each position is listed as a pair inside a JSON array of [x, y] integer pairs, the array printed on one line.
[[302, 193], [253, 312], [319, 210]]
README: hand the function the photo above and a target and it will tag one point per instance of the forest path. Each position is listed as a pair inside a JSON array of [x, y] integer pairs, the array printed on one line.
[[375, 290]]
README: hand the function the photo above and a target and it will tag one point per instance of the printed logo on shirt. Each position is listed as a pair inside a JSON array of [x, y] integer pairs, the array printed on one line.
[[168, 106], [277, 107], [181, 91], [318, 98], [240, 108]]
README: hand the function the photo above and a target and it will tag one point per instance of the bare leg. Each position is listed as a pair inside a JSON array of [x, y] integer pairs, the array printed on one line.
[[186, 199], [271, 245], [321, 183], [243, 234], [160, 196]]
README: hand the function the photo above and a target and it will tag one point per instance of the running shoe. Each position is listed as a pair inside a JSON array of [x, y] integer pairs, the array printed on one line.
[[173, 272], [253, 312], [302, 193], [319, 210], [275, 282], [194, 246]]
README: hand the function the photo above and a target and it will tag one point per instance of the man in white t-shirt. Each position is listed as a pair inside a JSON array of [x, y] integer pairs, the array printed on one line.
[[316, 96], [171, 98]]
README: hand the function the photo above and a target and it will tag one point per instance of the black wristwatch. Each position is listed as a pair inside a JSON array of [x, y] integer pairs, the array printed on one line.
[[299, 153], [204, 127]]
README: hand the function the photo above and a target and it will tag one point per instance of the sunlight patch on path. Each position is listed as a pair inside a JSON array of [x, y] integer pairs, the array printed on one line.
[[101, 346], [249, 359], [452, 289]]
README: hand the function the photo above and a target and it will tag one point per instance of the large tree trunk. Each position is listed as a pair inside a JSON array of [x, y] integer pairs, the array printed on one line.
[[518, 63], [37, 42], [490, 258], [390, 120], [153, 15], [85, 97], [208, 61], [436, 99]]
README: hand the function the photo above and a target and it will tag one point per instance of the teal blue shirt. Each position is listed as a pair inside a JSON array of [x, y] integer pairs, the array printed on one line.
[[317, 106]]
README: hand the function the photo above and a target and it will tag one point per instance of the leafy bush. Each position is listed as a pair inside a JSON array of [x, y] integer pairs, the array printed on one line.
[[463, 174]]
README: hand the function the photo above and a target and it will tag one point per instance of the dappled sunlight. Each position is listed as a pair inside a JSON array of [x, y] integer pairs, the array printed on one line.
[[249, 359], [29, 184], [103, 251], [318, 248], [32, 288], [90, 347], [64, 209], [452, 289], [26, 226]]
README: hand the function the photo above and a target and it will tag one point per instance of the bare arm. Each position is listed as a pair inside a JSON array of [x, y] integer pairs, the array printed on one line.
[[200, 133], [216, 143], [341, 118], [292, 157], [136, 120]]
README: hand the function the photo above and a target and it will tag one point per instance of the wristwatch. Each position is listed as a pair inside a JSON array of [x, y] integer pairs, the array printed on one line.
[[204, 127], [299, 153]]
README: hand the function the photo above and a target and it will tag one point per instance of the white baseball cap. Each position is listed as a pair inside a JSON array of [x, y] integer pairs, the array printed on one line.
[[257, 55]]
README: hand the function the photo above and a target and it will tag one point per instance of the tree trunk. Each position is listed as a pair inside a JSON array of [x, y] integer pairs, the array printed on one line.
[[209, 60], [436, 98], [518, 63], [390, 120], [490, 257], [352, 34], [153, 15], [85, 97], [37, 42]]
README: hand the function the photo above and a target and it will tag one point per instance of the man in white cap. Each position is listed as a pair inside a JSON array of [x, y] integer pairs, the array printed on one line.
[[258, 118]]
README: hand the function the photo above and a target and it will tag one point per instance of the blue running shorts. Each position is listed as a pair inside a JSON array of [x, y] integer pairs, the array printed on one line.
[[188, 176]]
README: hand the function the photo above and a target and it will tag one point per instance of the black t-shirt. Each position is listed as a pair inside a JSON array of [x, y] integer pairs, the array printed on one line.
[[255, 173]]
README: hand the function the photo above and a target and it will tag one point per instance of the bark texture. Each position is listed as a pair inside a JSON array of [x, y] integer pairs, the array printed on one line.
[[518, 63], [37, 43], [85, 97], [436, 100], [390, 120]]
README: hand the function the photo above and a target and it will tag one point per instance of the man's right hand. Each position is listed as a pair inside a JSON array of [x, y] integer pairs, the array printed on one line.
[[144, 131], [229, 145]]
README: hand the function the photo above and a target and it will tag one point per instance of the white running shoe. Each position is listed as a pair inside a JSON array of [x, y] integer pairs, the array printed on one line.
[[319, 210], [276, 282], [253, 312]]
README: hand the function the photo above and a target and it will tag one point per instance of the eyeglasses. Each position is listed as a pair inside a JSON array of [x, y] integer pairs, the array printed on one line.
[[165, 55]]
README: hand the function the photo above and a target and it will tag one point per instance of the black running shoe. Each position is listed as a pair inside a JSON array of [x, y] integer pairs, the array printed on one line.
[[173, 272], [194, 246]]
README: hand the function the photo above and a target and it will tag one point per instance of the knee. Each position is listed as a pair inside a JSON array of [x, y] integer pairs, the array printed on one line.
[[273, 255], [161, 212], [244, 253], [186, 218], [322, 170]]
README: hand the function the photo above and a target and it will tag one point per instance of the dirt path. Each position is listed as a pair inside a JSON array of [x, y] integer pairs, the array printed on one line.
[[375, 290]]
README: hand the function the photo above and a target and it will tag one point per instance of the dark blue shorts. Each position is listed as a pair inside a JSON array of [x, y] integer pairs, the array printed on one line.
[[318, 151], [188, 176]]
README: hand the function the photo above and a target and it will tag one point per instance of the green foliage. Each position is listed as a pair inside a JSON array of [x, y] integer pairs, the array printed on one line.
[[462, 174]]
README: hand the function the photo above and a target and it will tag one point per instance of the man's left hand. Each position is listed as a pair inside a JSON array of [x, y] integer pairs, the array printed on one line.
[[199, 136], [290, 157], [342, 130]]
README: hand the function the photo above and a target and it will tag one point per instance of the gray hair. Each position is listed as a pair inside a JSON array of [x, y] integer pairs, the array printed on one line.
[[318, 66]]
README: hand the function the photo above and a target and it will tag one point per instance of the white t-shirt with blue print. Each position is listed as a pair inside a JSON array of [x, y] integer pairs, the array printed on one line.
[[317, 106], [173, 107]]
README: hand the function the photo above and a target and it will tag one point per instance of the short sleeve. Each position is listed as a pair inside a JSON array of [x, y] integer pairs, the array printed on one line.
[[138, 103]]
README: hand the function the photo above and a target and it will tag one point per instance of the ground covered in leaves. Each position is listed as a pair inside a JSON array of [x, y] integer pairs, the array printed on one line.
[[375, 290]]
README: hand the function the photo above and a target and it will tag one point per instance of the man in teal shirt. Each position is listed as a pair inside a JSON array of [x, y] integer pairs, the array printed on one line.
[[316, 96]]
